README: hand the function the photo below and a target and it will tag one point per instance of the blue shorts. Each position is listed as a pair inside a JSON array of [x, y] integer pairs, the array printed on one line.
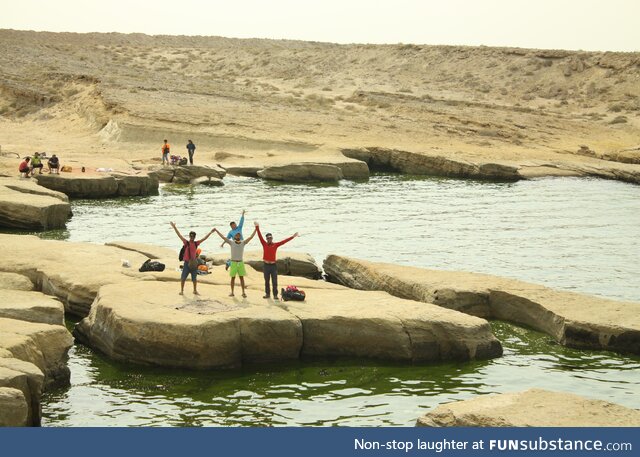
[[186, 271]]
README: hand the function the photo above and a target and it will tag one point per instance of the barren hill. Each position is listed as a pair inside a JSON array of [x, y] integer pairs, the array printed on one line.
[[116, 96]]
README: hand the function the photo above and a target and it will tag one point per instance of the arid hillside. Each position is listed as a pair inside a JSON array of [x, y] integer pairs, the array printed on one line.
[[116, 96]]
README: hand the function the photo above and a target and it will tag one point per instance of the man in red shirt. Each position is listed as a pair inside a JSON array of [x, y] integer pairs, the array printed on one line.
[[270, 270]]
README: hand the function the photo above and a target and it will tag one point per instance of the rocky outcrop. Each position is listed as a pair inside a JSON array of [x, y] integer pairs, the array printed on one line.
[[108, 186], [289, 263], [43, 345], [31, 306], [27, 206], [248, 171], [575, 320], [185, 174], [27, 379], [14, 281], [432, 164], [216, 331], [302, 172], [532, 408], [207, 181], [14, 409]]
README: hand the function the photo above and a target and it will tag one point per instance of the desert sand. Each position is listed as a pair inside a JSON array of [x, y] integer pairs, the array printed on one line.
[[108, 100]]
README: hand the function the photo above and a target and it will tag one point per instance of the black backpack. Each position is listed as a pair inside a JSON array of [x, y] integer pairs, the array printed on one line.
[[292, 293], [181, 255], [151, 265]]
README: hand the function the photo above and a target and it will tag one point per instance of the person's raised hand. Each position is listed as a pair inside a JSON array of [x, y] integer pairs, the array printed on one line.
[[296, 234], [256, 223]]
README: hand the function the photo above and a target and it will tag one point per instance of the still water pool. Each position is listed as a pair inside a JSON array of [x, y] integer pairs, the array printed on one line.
[[574, 234]]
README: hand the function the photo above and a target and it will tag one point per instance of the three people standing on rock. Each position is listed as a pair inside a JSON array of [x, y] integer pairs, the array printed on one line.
[[236, 265]]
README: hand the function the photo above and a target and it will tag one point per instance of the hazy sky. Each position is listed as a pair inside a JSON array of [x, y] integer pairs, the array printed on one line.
[[566, 24]]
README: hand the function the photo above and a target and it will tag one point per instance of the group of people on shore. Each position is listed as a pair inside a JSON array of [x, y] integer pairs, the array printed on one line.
[[166, 151], [235, 265], [28, 166]]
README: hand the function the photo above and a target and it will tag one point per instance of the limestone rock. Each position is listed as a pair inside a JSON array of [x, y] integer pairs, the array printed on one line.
[[302, 172], [44, 345], [109, 186], [14, 409], [289, 263], [575, 320], [26, 205], [248, 171], [185, 174], [31, 306], [28, 379], [207, 181], [215, 331], [14, 281], [432, 164], [148, 250], [532, 408]]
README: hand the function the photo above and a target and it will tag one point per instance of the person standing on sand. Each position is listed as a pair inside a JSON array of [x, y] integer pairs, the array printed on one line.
[[191, 149], [270, 268], [190, 253], [166, 149], [237, 264]]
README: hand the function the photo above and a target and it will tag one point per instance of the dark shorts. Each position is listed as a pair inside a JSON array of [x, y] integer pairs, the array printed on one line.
[[186, 271]]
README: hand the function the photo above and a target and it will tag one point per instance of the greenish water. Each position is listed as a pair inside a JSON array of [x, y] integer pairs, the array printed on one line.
[[328, 392], [574, 234]]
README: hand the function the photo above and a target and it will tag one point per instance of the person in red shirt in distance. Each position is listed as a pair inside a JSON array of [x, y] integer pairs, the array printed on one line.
[[270, 270]]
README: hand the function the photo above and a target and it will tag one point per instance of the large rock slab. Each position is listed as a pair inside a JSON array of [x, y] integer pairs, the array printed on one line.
[[185, 174], [148, 322], [26, 205], [532, 408], [424, 163], [14, 281], [31, 306], [149, 250], [27, 379], [575, 320], [44, 345], [289, 263], [14, 409], [60, 269], [302, 172], [107, 186]]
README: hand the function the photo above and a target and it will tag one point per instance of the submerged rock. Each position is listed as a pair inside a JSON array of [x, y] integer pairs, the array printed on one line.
[[532, 408], [216, 331], [26, 205], [575, 320]]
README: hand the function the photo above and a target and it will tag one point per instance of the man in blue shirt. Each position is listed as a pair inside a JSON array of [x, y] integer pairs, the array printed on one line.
[[235, 228], [191, 148]]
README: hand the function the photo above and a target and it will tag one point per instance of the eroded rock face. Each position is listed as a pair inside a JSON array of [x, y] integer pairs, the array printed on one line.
[[43, 345], [302, 172], [216, 331], [289, 263], [576, 320], [432, 164], [185, 174], [26, 205], [532, 408], [31, 306], [108, 186], [14, 409], [29, 381]]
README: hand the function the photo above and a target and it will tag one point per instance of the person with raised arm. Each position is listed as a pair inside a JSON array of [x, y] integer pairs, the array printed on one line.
[[190, 257], [235, 228], [237, 268], [270, 268]]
